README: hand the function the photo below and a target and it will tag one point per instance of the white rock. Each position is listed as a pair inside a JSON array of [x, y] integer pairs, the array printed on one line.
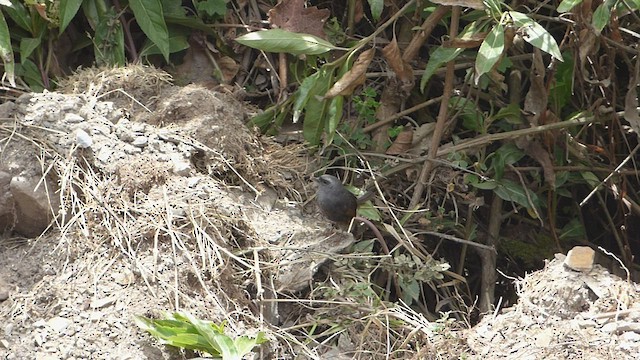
[[59, 324], [73, 118], [83, 139]]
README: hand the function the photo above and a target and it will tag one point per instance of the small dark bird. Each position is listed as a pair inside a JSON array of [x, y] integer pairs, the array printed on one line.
[[335, 201]]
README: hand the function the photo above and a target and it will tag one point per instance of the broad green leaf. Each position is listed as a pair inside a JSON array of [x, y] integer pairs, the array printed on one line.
[[27, 45], [304, 92], [244, 344], [212, 7], [376, 7], [150, 18], [282, 41], [507, 154], [438, 57], [173, 8], [536, 35], [368, 211], [511, 113], [562, 88], [68, 9], [176, 43], [472, 117], [20, 15], [590, 178], [494, 7], [573, 230], [91, 13], [510, 191], [30, 73], [316, 109], [486, 185], [6, 52], [490, 51], [567, 5], [108, 42], [334, 116], [602, 15], [227, 347]]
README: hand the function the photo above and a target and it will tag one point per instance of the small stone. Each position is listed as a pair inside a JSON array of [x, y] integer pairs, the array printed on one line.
[[182, 168], [124, 278], [104, 154], [83, 139], [39, 324], [580, 258], [59, 324], [100, 303], [8, 329], [140, 141], [73, 118], [630, 336]]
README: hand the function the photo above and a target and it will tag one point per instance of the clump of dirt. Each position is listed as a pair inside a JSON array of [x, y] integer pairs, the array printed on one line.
[[564, 314], [178, 206], [155, 207]]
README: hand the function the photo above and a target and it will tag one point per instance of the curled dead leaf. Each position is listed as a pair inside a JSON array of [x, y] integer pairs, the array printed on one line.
[[474, 4], [292, 15], [392, 54], [403, 142], [352, 78]]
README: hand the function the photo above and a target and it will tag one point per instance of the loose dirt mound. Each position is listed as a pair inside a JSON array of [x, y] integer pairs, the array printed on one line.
[[166, 201], [564, 314]]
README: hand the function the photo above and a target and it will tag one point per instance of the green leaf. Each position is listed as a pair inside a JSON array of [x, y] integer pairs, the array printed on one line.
[[30, 73], [149, 16], [27, 45], [507, 154], [334, 116], [6, 52], [20, 15], [438, 57], [376, 7], [590, 178], [510, 191], [485, 185], [212, 7], [317, 108], [511, 113], [68, 10], [472, 117], [573, 230], [108, 42], [567, 5], [368, 211], [176, 43], [304, 92], [282, 41], [602, 15], [90, 12], [536, 35], [562, 88], [490, 51]]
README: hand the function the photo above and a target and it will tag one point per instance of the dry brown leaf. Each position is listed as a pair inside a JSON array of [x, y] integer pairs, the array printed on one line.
[[359, 12], [352, 78], [587, 38], [631, 101], [291, 15], [392, 54], [403, 142], [535, 102], [229, 69], [474, 4], [470, 42]]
